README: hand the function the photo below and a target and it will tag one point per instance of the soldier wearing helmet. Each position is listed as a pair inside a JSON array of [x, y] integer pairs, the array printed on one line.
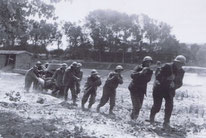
[[109, 89], [69, 81], [31, 77], [79, 74], [140, 77], [167, 81], [58, 79], [90, 88]]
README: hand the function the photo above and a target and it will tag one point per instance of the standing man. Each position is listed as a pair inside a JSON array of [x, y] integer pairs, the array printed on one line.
[[31, 77], [58, 78], [79, 74], [167, 81], [109, 89], [69, 81], [140, 77], [93, 81]]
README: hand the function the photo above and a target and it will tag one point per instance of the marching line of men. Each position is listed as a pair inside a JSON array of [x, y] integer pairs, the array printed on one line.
[[168, 78]]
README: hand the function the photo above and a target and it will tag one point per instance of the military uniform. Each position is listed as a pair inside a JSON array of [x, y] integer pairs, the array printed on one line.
[[138, 86], [109, 90], [58, 77], [90, 90], [69, 81], [31, 77], [167, 81], [79, 74]]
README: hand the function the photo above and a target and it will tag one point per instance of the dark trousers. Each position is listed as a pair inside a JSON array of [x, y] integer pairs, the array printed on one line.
[[60, 89], [78, 87], [108, 94], [92, 95], [137, 98], [28, 83], [158, 95], [72, 89]]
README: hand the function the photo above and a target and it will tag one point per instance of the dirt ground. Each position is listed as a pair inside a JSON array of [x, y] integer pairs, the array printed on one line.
[[22, 116]]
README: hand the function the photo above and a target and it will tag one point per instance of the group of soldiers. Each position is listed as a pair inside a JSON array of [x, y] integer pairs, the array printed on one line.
[[168, 78]]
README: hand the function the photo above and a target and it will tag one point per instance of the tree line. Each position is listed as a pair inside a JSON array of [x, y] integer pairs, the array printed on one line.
[[104, 35]]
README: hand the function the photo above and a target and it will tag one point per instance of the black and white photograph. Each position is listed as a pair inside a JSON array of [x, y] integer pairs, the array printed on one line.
[[102, 69]]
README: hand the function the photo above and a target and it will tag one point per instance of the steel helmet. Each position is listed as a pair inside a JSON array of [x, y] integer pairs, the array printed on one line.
[[147, 58], [74, 64], [79, 64], [119, 67], [38, 63], [94, 72], [180, 59], [64, 64]]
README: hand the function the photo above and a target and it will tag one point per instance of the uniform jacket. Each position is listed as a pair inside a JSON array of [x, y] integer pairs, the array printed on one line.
[[31, 74], [166, 71], [113, 80], [58, 76], [92, 83], [140, 79], [69, 78]]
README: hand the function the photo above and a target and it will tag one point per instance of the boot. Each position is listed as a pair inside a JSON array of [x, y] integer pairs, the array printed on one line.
[[152, 117], [89, 106], [166, 125], [111, 112], [74, 103], [83, 108], [98, 109]]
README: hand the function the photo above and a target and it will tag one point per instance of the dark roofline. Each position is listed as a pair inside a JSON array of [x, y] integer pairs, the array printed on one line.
[[15, 52]]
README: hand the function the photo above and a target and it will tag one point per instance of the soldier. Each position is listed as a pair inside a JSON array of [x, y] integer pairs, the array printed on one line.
[[69, 81], [39, 74], [157, 71], [58, 78], [79, 74], [31, 77], [93, 81], [109, 89], [167, 81], [140, 77]]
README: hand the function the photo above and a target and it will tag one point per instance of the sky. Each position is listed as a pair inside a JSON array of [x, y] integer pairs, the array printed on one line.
[[187, 17]]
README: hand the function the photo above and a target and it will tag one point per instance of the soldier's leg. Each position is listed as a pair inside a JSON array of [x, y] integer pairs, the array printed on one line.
[[104, 99], [28, 83], [168, 109], [54, 91], [92, 99], [74, 95], [134, 104], [61, 91], [85, 98], [112, 98], [66, 88], [157, 102]]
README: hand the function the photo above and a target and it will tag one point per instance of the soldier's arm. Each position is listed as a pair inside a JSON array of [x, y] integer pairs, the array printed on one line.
[[33, 75], [97, 82], [55, 75], [179, 81], [163, 73], [112, 76]]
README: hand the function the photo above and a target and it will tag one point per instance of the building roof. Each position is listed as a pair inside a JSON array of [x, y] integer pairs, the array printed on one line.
[[15, 52]]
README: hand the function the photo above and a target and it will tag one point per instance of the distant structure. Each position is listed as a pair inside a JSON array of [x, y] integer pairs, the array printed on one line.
[[14, 59]]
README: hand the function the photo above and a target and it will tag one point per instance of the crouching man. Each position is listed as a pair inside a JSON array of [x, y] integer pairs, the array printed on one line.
[[140, 77], [109, 89], [93, 81], [167, 81]]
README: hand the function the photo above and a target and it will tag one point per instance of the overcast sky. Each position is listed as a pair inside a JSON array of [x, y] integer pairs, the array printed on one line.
[[187, 17]]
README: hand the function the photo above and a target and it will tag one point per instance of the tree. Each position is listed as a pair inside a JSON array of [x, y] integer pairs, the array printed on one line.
[[15, 16]]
